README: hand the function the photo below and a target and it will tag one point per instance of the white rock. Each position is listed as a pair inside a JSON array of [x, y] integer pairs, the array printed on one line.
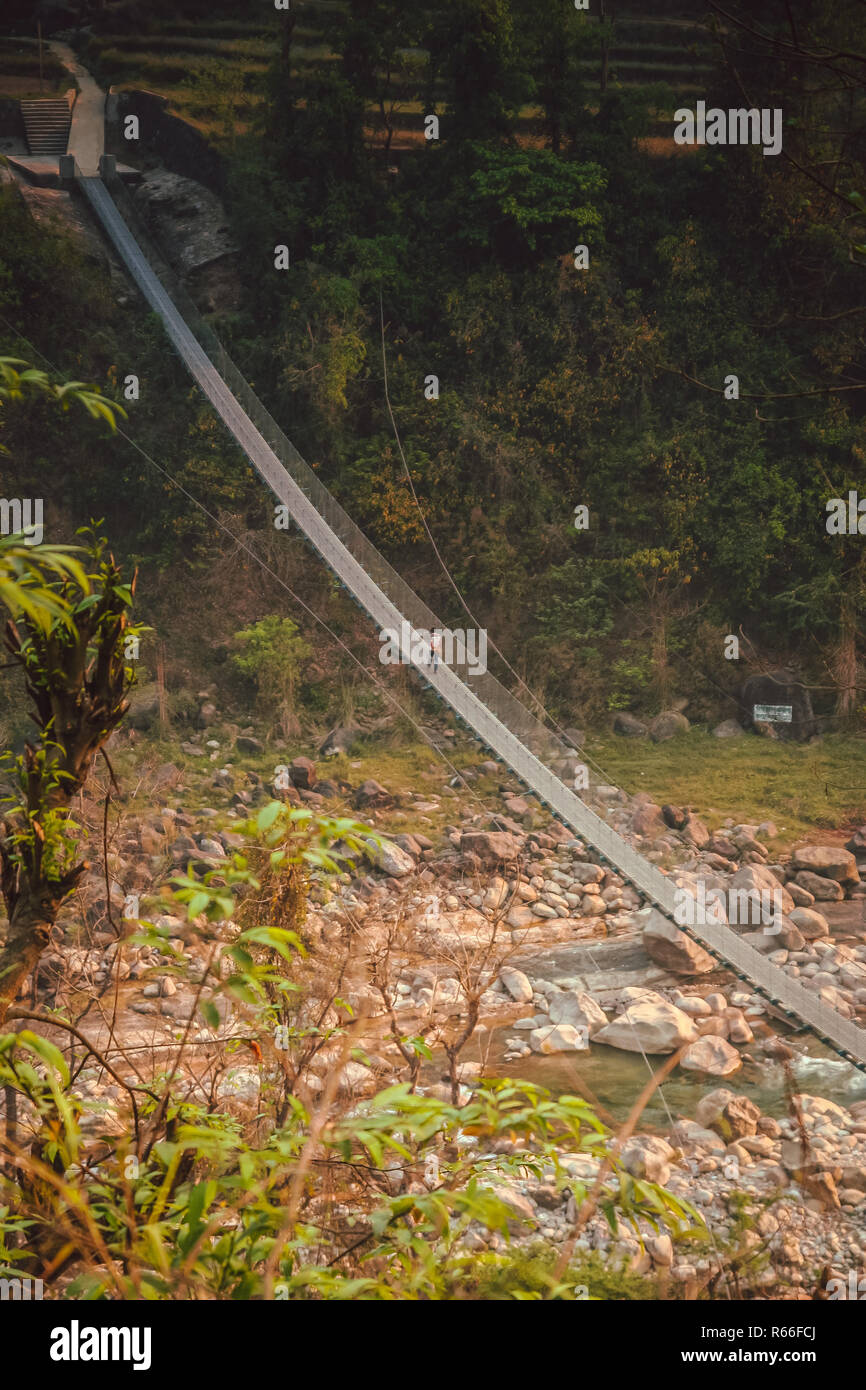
[[711, 1055], [577, 1008], [558, 1037], [649, 1026], [517, 984]]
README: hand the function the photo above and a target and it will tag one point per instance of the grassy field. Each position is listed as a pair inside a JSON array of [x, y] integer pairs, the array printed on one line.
[[803, 788], [811, 792]]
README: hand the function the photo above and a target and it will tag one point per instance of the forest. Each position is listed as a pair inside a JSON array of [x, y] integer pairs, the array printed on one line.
[[310, 989], [603, 386]]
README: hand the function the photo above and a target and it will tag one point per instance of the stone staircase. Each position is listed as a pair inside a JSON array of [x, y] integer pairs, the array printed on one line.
[[46, 123]]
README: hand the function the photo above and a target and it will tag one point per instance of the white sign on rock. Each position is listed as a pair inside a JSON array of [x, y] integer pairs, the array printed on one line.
[[773, 714]]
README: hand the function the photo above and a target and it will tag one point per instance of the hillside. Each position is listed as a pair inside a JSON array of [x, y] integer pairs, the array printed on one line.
[[309, 997]]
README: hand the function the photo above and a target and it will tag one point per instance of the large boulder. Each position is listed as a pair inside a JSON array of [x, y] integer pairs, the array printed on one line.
[[757, 878], [647, 820], [830, 861], [517, 984], [729, 728], [302, 772], [339, 740], [812, 924], [781, 688], [672, 949], [647, 1156], [491, 846], [668, 725], [695, 832], [649, 1026], [629, 725], [730, 1115], [558, 1037], [390, 858], [712, 1056], [248, 743], [826, 890], [578, 1008], [371, 794]]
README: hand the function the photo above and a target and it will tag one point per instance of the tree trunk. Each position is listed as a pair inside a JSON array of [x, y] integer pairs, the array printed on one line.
[[845, 660], [661, 674], [28, 936]]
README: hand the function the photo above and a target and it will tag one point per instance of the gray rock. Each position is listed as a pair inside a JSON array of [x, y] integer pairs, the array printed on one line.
[[857, 844], [245, 743], [667, 725], [390, 858], [492, 847], [558, 1037], [732, 1116], [340, 740], [372, 793], [671, 948], [629, 725], [812, 924], [695, 832], [647, 1156], [830, 861], [729, 728], [517, 984], [647, 820], [649, 1025], [757, 878], [711, 1056], [579, 1009], [823, 889]]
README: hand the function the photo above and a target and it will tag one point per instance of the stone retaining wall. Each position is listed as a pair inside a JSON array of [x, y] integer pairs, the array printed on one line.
[[179, 145]]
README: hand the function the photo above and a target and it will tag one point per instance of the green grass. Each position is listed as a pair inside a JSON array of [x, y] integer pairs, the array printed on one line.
[[804, 788], [807, 790]]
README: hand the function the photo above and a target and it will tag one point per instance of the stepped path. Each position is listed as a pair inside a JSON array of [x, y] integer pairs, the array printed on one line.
[[499, 720], [46, 125]]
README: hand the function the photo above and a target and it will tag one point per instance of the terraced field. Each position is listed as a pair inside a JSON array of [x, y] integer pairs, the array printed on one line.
[[19, 71], [180, 60]]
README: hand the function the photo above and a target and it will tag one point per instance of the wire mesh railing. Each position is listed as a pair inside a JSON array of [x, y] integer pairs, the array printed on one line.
[[532, 750]]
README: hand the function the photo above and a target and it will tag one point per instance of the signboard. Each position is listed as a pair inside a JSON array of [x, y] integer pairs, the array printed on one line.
[[773, 714]]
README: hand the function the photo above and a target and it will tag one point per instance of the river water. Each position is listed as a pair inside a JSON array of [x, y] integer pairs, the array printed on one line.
[[616, 1078]]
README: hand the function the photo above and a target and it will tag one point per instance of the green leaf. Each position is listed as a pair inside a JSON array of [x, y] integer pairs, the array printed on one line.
[[210, 1013], [50, 1054], [268, 815]]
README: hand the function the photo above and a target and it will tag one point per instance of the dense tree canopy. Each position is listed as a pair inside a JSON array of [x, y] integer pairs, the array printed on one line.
[[562, 383]]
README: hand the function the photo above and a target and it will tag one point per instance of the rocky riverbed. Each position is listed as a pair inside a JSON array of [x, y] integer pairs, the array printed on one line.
[[572, 981]]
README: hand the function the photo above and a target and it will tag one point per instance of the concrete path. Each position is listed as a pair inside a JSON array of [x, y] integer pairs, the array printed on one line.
[[87, 132]]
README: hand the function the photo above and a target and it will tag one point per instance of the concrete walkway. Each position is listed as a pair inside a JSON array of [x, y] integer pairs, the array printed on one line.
[[87, 132]]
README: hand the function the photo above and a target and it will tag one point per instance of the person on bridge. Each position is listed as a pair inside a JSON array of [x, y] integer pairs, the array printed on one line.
[[435, 647]]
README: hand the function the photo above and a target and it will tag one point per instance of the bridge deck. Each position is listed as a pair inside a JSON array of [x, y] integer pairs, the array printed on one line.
[[841, 1034]]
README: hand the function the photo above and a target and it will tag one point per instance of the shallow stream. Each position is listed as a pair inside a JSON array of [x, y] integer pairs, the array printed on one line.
[[615, 1078]]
